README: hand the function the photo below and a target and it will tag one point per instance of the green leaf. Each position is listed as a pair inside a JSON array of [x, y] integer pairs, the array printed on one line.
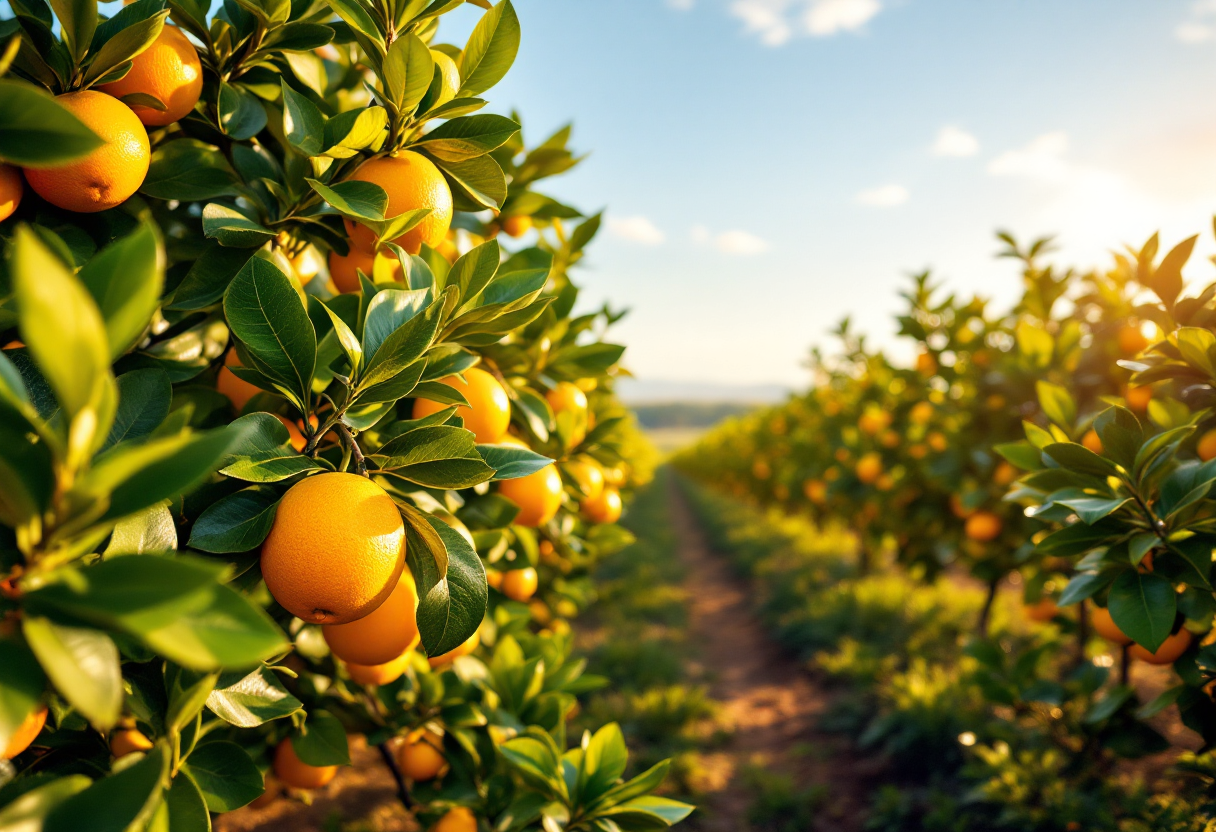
[[144, 398], [1057, 403], [1197, 346], [348, 133], [322, 741], [241, 113], [442, 456], [188, 170], [536, 759], [1083, 586], [78, 22], [38, 131], [643, 784], [1089, 507], [83, 665], [225, 775], [490, 50], [1167, 279], [20, 687], [271, 466], [1034, 344], [187, 808], [604, 761], [346, 339], [266, 314], [253, 699], [388, 311], [403, 346], [1081, 459], [474, 269], [1143, 606], [208, 277], [465, 138], [355, 16], [117, 803], [229, 227], [125, 280], [151, 530], [476, 183], [354, 198], [451, 583], [408, 70], [510, 461], [236, 523], [303, 123], [649, 813], [28, 812], [126, 44], [298, 37]]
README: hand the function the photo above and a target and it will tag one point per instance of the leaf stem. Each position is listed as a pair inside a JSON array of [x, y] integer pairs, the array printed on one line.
[[349, 440]]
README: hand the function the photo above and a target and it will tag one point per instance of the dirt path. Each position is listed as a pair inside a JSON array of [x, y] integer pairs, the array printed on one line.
[[771, 702]]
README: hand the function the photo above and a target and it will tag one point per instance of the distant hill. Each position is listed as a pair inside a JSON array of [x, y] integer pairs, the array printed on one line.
[[688, 414], [648, 391]]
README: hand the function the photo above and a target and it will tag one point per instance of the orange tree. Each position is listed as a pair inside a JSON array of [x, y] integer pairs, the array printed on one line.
[[275, 403]]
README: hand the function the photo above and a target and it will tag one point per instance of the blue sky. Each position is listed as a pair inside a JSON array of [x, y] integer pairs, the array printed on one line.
[[769, 166]]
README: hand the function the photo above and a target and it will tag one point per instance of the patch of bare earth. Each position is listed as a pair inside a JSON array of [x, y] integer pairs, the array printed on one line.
[[770, 702]]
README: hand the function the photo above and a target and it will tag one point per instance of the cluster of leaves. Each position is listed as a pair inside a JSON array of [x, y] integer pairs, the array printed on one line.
[[134, 497], [1053, 447]]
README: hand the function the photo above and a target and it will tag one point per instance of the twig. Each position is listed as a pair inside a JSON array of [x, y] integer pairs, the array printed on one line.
[[360, 464], [403, 793]]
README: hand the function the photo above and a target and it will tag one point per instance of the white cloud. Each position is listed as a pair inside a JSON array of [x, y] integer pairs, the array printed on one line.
[[954, 141], [682, 5], [776, 21], [735, 241], [1042, 159], [1196, 30], [635, 229], [886, 196]]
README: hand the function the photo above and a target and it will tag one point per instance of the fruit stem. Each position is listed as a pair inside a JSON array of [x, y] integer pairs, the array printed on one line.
[[349, 440], [403, 792]]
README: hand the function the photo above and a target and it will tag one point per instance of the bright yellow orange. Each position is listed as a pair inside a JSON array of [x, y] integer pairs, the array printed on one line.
[[605, 508], [294, 772], [873, 421], [587, 477], [816, 491], [983, 526], [336, 549], [493, 578], [538, 495], [615, 476], [1004, 473], [1105, 626], [540, 612], [568, 398], [1092, 441], [488, 414], [1206, 448], [869, 468], [11, 191], [456, 819], [519, 584], [466, 647], [420, 757], [1169, 651], [918, 450], [26, 733], [885, 482], [305, 265], [124, 741], [170, 71], [1139, 397], [516, 226], [379, 674], [411, 181], [238, 391], [1042, 610], [382, 635], [111, 173], [1131, 340], [344, 271], [937, 441], [926, 364]]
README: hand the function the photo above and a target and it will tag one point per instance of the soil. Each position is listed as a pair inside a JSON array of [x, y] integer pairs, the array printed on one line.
[[769, 700]]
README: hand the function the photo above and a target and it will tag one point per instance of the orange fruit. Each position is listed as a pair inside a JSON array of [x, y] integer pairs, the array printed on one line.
[[918, 451], [238, 391], [540, 612], [108, 175], [456, 819], [605, 508], [411, 181], [124, 741], [344, 271], [869, 468], [1131, 340], [926, 364], [170, 71], [816, 491], [306, 265], [26, 733], [568, 398], [1139, 397], [383, 634], [983, 526], [1004, 473], [493, 578], [1169, 651], [420, 757], [873, 421], [379, 674], [294, 772], [1092, 441], [294, 434], [272, 791], [614, 476], [538, 495], [885, 483], [937, 441], [761, 470], [516, 226], [921, 413], [469, 645], [11, 191], [489, 411], [1206, 448], [587, 477], [519, 584], [1042, 610], [1105, 626], [336, 549], [958, 509]]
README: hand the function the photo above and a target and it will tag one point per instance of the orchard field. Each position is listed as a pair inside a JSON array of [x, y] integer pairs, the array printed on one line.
[[320, 510]]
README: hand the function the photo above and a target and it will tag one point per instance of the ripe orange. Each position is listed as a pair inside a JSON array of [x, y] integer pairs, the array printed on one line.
[[873, 421], [1042, 610], [489, 412], [516, 226], [494, 578], [1092, 441], [298, 774], [336, 549], [411, 181], [420, 757], [937, 441], [238, 391], [885, 482], [918, 450], [519, 584], [108, 175], [958, 509], [1139, 397], [456, 819], [1169, 651], [11, 191], [1004, 473], [615, 476], [921, 413], [305, 265], [605, 508], [566, 397], [169, 70], [587, 476], [540, 612], [379, 674], [344, 271], [926, 364], [26, 733], [816, 491], [469, 645], [1131, 340], [869, 468], [1105, 626], [1206, 448], [761, 470], [538, 495], [983, 526], [124, 741], [383, 634]]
